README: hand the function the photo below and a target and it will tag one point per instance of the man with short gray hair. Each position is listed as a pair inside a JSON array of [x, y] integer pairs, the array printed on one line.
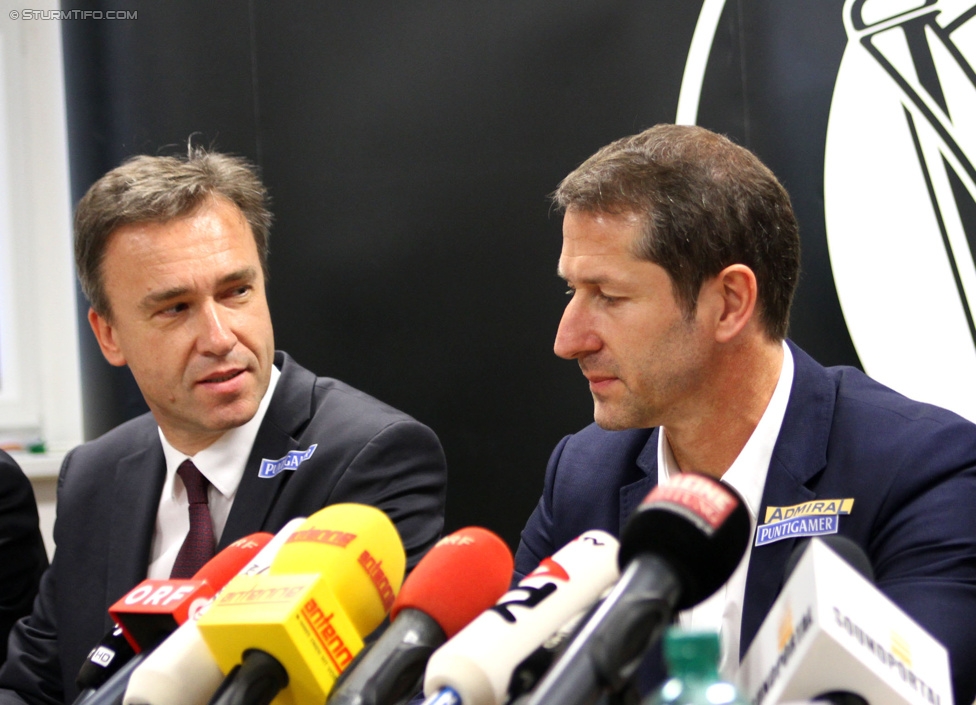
[[172, 254]]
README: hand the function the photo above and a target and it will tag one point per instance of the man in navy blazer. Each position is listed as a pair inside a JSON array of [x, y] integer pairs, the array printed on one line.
[[172, 253], [682, 254]]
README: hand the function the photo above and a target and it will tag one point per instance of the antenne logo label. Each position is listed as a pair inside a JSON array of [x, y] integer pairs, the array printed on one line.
[[374, 569]]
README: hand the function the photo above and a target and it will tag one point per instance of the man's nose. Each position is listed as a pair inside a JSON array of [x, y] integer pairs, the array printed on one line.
[[576, 335], [216, 333]]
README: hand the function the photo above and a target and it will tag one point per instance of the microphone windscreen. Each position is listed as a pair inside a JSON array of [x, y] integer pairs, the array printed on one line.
[[225, 565], [326, 589], [358, 548], [460, 577], [698, 525]]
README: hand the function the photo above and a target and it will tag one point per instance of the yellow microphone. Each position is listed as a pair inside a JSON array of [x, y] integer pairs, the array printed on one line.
[[285, 636]]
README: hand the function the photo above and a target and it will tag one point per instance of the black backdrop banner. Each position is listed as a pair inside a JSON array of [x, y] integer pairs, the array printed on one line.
[[410, 148]]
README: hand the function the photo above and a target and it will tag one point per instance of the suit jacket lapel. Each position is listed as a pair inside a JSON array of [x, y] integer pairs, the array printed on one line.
[[633, 494], [134, 508], [289, 411], [800, 453]]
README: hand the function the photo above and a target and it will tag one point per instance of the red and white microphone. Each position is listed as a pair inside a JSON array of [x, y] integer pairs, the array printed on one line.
[[153, 609]]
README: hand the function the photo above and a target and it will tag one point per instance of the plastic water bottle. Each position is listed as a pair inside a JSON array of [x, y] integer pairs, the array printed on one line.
[[692, 658]]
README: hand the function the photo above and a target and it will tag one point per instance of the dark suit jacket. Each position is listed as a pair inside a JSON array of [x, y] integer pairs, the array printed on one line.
[[910, 467], [109, 490], [22, 555]]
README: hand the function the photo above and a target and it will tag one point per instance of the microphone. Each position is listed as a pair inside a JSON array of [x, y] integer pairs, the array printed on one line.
[[291, 631], [526, 675], [680, 545], [155, 608], [832, 634], [115, 649], [110, 683], [844, 547], [181, 670], [459, 578], [475, 667], [102, 662]]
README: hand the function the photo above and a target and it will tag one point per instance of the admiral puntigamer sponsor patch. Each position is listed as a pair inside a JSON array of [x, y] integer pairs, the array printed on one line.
[[294, 458], [814, 518]]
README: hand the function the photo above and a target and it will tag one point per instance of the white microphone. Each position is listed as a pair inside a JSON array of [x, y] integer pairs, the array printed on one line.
[[832, 631], [475, 666], [181, 670]]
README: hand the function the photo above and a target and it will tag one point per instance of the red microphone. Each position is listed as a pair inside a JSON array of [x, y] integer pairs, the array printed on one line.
[[463, 575], [153, 609]]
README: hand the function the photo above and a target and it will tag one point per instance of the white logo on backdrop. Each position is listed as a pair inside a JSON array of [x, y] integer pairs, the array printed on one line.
[[899, 188], [899, 184]]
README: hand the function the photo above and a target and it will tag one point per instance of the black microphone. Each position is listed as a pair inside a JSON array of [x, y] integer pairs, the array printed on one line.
[[682, 544], [102, 662], [840, 698]]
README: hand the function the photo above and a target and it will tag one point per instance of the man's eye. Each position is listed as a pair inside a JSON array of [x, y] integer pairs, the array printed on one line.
[[174, 309]]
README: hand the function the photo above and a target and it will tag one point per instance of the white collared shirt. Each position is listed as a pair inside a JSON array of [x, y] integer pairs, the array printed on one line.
[[222, 463], [747, 475]]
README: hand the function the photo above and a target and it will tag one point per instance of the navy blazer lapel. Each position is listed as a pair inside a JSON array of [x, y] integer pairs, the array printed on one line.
[[136, 489], [288, 413], [633, 494], [800, 453]]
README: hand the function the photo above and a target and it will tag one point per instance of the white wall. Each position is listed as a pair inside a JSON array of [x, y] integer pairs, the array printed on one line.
[[41, 388]]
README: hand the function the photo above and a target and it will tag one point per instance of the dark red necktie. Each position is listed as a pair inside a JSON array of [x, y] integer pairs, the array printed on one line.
[[198, 547]]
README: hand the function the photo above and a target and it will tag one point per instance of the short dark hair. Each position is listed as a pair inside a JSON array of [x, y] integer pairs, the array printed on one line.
[[155, 189], [705, 203]]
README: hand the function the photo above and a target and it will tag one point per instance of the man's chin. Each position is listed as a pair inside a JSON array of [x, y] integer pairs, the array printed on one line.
[[615, 418], [232, 417], [609, 422]]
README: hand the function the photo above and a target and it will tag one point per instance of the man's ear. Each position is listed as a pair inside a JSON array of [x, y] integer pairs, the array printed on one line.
[[105, 334], [735, 286]]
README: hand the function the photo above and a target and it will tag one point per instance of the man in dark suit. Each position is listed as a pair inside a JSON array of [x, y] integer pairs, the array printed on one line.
[[172, 256], [681, 253], [22, 554]]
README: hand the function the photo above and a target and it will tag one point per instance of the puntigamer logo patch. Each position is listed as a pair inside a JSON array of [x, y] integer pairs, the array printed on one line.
[[815, 518], [270, 468]]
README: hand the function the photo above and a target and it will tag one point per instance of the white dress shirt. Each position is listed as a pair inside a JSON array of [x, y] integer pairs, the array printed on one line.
[[722, 611], [222, 463]]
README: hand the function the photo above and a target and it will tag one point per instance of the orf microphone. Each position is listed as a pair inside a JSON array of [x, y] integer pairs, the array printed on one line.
[[115, 649], [460, 577], [181, 670], [213, 575], [155, 608], [476, 665], [684, 541]]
